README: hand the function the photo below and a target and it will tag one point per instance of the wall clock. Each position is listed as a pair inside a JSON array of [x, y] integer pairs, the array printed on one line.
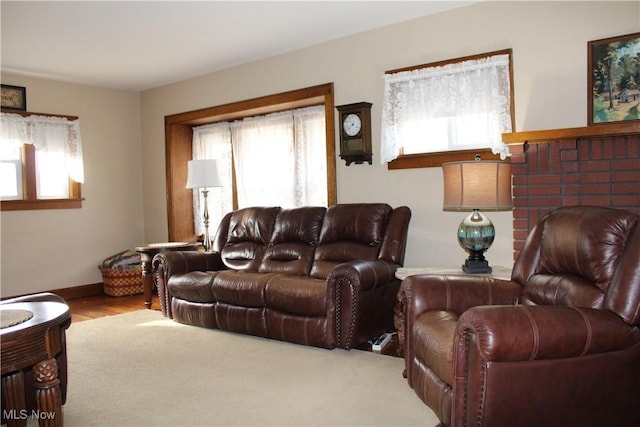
[[14, 97], [355, 132]]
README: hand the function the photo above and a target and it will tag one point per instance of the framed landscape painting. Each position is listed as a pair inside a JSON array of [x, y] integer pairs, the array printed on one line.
[[614, 79]]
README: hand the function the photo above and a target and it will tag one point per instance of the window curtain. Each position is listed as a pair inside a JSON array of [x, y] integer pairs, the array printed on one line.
[[310, 185], [279, 160], [468, 88], [52, 135], [213, 142], [262, 152]]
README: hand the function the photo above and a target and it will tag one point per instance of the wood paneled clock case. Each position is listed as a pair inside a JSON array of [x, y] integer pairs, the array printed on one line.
[[355, 132]]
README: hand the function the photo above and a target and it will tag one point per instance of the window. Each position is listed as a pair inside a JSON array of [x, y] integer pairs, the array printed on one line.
[[179, 142], [452, 106], [40, 162], [278, 160]]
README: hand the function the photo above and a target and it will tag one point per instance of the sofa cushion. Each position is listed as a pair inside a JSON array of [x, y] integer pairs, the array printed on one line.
[[249, 233], [350, 232], [297, 295], [241, 288], [194, 286], [295, 237]]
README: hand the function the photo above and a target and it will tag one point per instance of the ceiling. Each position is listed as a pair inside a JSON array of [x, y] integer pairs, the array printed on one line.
[[138, 45]]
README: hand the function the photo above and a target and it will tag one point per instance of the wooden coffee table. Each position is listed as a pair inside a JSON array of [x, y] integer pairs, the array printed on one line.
[[31, 337]]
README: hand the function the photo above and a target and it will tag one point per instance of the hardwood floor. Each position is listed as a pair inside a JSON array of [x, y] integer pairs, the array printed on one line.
[[93, 307]]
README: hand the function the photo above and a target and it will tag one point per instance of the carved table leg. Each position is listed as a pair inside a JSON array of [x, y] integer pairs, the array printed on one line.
[[14, 400], [147, 279], [48, 393]]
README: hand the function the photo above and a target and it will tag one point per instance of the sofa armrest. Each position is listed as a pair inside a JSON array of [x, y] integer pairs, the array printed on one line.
[[169, 263], [363, 274], [347, 284], [526, 333]]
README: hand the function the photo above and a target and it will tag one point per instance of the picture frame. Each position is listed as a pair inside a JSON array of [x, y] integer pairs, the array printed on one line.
[[14, 97], [613, 80]]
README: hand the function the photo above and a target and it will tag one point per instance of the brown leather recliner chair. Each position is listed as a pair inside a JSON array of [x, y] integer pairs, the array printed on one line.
[[557, 345]]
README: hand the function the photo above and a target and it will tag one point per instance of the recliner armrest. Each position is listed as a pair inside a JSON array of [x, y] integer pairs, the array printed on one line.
[[526, 333], [454, 293]]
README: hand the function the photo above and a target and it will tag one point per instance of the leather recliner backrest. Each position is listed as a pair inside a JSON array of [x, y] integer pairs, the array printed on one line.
[[294, 240], [350, 232], [572, 254], [248, 234]]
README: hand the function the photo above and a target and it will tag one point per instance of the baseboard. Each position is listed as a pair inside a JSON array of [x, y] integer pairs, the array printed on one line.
[[80, 291]]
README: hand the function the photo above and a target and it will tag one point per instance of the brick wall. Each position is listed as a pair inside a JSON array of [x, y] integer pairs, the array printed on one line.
[[601, 171]]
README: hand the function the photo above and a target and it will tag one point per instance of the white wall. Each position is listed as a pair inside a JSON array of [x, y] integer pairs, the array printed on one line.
[[43, 250], [549, 42], [54, 249]]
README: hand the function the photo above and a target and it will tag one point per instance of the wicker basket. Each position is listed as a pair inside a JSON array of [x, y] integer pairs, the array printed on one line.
[[122, 274], [120, 282]]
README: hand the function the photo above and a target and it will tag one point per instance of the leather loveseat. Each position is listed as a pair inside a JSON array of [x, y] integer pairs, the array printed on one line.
[[316, 276], [557, 345]]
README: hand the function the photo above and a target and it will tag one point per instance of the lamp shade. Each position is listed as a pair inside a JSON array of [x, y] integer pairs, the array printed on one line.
[[203, 174], [479, 184]]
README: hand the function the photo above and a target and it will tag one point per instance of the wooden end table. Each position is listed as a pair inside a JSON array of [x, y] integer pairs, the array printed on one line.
[[33, 343], [147, 252]]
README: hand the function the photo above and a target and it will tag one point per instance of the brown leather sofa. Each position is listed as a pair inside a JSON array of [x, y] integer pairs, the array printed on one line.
[[316, 276], [558, 345]]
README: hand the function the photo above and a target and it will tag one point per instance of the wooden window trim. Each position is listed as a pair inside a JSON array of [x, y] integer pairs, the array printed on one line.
[[430, 160], [30, 200], [179, 136]]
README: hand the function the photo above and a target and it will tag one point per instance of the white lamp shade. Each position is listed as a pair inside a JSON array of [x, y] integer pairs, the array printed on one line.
[[203, 174], [483, 184]]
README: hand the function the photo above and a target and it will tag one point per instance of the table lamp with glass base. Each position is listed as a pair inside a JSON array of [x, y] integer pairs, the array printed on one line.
[[471, 186]]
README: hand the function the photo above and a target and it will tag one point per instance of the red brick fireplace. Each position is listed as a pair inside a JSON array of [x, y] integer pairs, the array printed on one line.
[[596, 165]]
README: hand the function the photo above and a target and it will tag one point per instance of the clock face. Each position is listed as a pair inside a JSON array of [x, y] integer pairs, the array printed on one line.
[[352, 124]]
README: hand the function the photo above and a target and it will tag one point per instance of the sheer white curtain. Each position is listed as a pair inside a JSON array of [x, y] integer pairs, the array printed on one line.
[[263, 155], [310, 185], [466, 104], [55, 136], [213, 142], [280, 159]]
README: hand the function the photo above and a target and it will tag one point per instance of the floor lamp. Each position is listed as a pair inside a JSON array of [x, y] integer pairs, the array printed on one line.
[[204, 174], [472, 186]]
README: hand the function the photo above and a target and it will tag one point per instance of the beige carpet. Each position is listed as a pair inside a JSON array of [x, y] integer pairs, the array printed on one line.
[[141, 369]]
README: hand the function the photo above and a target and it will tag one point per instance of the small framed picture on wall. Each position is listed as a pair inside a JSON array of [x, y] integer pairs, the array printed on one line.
[[614, 79], [14, 97]]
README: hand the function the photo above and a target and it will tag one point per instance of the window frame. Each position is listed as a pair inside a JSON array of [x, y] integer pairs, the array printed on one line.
[[436, 159], [30, 199], [179, 139]]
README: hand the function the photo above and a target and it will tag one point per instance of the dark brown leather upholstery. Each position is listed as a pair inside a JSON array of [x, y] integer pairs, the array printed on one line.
[[557, 345], [316, 276]]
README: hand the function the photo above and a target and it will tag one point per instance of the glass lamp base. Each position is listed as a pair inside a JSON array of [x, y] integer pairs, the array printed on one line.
[[476, 234]]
